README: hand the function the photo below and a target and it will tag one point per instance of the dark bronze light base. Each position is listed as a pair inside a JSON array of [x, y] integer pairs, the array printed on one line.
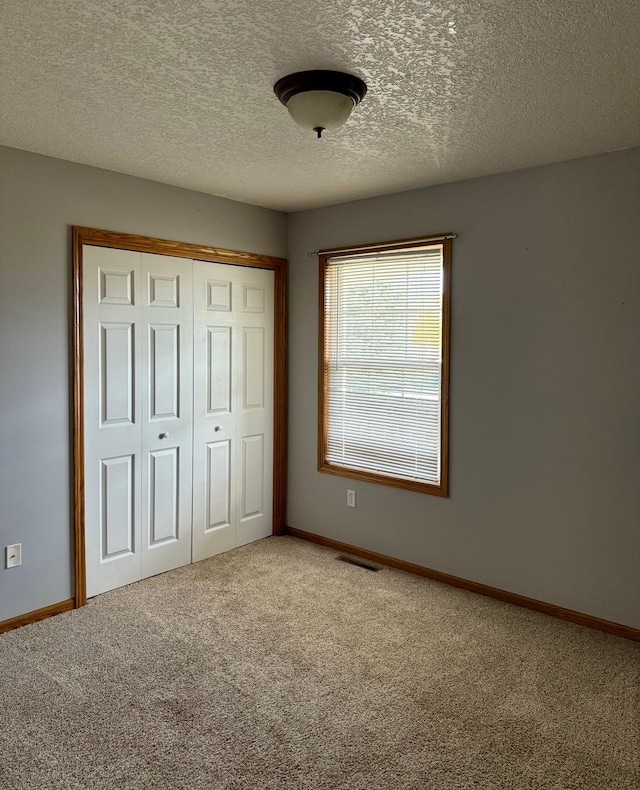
[[319, 80]]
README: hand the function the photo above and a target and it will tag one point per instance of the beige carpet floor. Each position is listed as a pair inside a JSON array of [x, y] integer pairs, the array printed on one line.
[[275, 666]]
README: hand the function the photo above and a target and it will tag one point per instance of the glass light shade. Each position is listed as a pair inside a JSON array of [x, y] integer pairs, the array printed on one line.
[[319, 109]]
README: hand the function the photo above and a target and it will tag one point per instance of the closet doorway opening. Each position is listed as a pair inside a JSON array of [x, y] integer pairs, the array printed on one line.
[[179, 404]]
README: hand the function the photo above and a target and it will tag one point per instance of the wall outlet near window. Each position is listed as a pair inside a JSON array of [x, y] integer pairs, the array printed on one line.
[[351, 498], [13, 555]]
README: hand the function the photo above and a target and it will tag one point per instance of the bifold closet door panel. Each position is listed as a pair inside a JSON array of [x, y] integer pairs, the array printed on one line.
[[112, 417], [214, 420], [255, 351], [233, 407], [167, 412], [138, 340]]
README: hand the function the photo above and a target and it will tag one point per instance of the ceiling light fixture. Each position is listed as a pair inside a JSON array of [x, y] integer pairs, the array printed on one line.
[[320, 100]]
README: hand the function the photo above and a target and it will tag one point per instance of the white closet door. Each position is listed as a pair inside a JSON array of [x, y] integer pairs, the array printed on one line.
[[255, 355], [233, 407], [167, 412], [112, 419], [138, 335]]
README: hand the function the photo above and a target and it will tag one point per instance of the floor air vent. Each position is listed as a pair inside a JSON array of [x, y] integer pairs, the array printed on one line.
[[360, 563]]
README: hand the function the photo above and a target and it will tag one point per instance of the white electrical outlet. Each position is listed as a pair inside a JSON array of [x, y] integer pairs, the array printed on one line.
[[351, 498], [14, 555]]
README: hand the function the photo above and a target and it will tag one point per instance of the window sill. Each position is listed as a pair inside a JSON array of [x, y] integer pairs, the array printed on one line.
[[435, 489]]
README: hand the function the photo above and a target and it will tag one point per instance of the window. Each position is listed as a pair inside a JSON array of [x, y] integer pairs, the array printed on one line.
[[384, 363]]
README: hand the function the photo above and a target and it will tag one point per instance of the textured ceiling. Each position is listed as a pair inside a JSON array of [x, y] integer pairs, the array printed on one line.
[[180, 91]]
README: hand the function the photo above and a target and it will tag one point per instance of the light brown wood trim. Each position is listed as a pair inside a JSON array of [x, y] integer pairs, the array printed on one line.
[[280, 420], [441, 489], [323, 414], [78, 423], [609, 627], [127, 241], [387, 480], [421, 241], [446, 367], [179, 249], [38, 614]]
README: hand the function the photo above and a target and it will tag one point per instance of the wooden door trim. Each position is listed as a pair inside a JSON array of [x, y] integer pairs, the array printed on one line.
[[127, 241]]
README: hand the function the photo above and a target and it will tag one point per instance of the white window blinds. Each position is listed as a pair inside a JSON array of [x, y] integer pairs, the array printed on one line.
[[383, 362]]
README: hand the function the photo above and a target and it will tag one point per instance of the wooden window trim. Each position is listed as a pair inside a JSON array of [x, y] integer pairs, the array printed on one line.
[[440, 489]]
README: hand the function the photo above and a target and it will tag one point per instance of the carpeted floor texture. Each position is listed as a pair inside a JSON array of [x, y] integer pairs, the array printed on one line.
[[275, 666]]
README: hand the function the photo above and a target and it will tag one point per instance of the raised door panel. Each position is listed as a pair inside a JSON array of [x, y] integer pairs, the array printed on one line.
[[117, 508], [252, 477], [164, 289], [254, 299], [219, 367], [116, 286], [164, 496], [164, 371], [116, 385], [218, 485], [253, 367], [218, 293]]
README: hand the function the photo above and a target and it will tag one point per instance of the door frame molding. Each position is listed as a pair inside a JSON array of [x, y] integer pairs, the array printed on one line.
[[128, 241]]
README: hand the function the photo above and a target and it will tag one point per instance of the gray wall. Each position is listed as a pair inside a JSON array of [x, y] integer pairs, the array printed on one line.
[[545, 406], [545, 421], [40, 198]]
